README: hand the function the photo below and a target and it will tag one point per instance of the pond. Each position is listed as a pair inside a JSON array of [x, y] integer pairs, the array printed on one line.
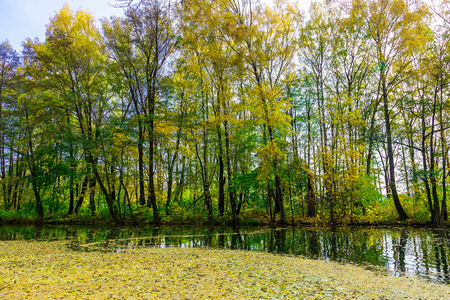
[[398, 251]]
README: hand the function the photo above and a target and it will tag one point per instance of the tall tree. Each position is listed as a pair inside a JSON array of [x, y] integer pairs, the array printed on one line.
[[141, 43], [74, 68], [265, 38], [397, 30], [9, 62]]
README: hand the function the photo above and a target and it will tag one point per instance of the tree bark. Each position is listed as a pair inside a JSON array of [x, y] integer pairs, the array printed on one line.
[[151, 201], [278, 191], [435, 214], [92, 194], [398, 206], [444, 213], [221, 201], [170, 170], [231, 192], [141, 162], [83, 191], [108, 197]]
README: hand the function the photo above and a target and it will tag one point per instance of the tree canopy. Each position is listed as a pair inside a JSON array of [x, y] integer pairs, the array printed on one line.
[[231, 110]]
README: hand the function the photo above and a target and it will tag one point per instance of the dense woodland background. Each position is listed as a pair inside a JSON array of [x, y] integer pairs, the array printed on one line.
[[228, 111]]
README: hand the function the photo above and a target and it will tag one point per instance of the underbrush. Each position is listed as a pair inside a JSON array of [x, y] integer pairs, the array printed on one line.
[[378, 213]]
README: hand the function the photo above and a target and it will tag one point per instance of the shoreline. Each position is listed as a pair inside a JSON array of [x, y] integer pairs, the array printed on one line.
[[309, 223]]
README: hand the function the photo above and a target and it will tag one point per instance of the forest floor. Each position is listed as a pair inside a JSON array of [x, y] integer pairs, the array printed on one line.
[[50, 270]]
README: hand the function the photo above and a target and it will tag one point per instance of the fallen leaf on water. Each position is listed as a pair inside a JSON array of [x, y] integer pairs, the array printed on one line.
[[37, 270]]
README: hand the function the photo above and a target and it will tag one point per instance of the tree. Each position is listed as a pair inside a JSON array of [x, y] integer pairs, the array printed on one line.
[[265, 39], [9, 63], [397, 30], [74, 69], [140, 44]]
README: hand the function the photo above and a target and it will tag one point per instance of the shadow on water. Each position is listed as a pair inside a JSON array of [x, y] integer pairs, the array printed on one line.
[[400, 251]]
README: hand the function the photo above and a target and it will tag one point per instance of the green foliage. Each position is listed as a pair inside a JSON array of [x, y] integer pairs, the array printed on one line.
[[228, 111], [365, 191]]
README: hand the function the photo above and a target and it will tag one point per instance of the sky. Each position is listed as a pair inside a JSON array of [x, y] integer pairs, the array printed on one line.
[[22, 19]]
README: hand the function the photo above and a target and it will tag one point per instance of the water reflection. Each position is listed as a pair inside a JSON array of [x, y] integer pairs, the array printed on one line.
[[399, 251]]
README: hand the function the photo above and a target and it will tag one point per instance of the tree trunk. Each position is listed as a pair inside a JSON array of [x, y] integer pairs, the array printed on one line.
[[141, 162], [206, 192], [109, 199], [170, 170], [39, 207], [278, 191], [310, 195], [435, 215], [203, 160], [310, 198], [179, 189], [169, 187], [221, 202], [83, 191], [92, 194], [2, 153], [72, 166], [398, 206], [444, 213], [71, 182], [231, 192], [371, 133], [405, 170], [151, 201]]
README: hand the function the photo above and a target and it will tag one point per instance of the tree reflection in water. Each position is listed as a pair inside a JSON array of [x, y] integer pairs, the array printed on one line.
[[400, 251]]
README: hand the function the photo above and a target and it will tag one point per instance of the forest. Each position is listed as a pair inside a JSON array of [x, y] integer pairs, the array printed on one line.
[[230, 111]]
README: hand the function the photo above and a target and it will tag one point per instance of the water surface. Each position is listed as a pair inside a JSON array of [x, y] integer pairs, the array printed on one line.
[[398, 251]]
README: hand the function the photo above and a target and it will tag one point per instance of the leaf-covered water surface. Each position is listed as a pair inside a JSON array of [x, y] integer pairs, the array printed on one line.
[[48, 270]]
